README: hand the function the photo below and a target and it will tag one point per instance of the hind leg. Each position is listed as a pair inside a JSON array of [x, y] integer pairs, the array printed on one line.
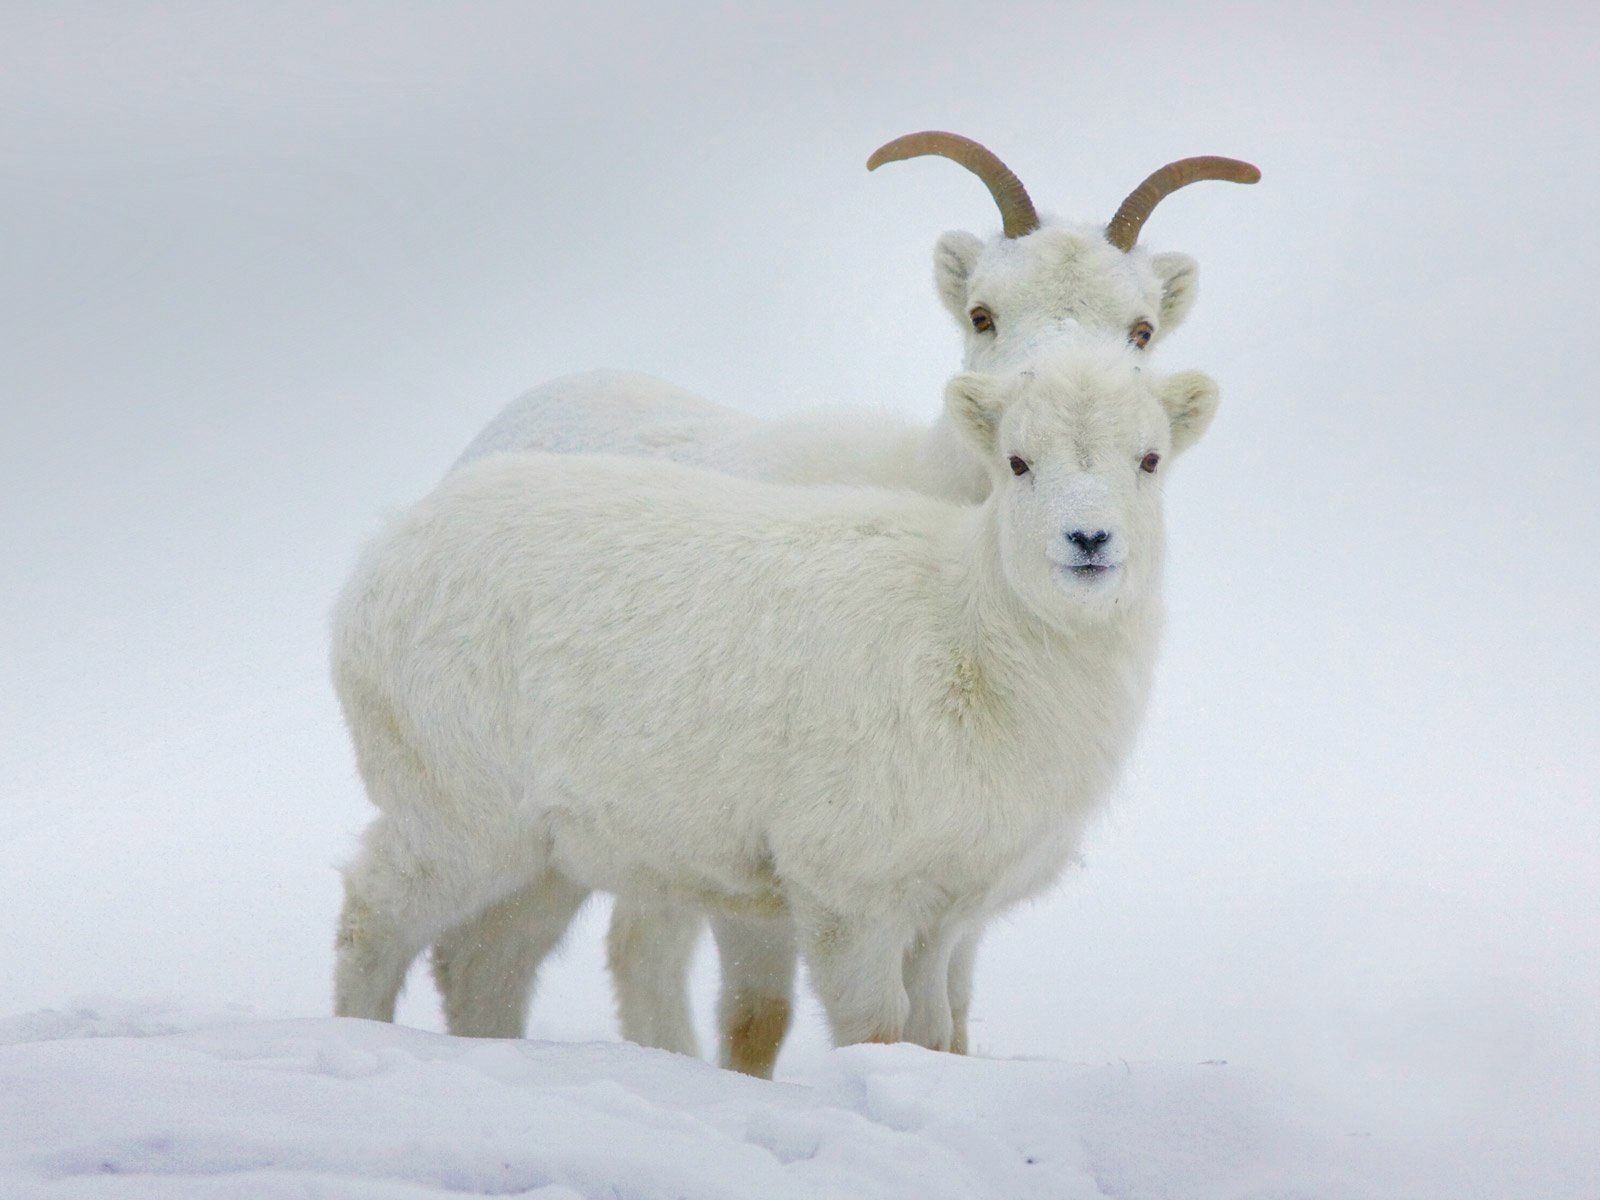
[[411, 880], [758, 959], [486, 966], [649, 949]]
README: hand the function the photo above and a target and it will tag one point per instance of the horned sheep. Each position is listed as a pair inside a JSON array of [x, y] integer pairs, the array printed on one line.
[[868, 718], [1040, 282]]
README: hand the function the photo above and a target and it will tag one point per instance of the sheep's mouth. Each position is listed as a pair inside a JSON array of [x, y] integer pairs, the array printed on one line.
[[1093, 574]]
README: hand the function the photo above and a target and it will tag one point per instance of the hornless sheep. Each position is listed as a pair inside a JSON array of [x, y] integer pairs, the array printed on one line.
[[872, 718], [1038, 283]]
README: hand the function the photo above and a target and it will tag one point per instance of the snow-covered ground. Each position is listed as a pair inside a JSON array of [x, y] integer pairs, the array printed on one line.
[[265, 270], [163, 1103]]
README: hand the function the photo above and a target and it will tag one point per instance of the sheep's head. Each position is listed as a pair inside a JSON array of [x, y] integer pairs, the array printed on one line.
[[1041, 281], [1076, 447]]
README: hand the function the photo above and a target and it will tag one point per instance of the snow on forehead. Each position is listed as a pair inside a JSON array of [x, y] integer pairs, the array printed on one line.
[[1066, 388], [1058, 246], [1065, 269]]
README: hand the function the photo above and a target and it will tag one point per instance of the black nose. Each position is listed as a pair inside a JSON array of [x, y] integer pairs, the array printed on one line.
[[1088, 540]]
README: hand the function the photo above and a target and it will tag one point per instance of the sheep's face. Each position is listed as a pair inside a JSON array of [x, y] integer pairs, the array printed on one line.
[[1013, 297], [1077, 446]]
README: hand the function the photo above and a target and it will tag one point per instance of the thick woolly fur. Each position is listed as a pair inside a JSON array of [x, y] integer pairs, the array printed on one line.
[[867, 720], [1060, 285]]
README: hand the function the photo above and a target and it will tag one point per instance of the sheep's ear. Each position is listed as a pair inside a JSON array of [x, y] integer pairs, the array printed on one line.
[[954, 256], [1180, 287], [973, 401], [1190, 399]]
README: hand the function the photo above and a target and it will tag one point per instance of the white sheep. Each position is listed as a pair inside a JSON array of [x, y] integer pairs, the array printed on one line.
[[1037, 283], [870, 718]]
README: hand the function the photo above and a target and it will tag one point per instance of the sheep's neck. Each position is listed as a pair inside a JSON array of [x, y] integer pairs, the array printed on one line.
[[1014, 659]]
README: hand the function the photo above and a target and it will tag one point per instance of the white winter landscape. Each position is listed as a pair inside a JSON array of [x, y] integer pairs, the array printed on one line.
[[266, 269]]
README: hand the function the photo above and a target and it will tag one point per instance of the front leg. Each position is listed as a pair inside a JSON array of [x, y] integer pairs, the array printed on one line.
[[856, 965], [758, 957], [963, 961], [927, 975]]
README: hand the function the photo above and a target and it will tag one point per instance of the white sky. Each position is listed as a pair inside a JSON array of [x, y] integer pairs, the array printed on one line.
[[263, 274]]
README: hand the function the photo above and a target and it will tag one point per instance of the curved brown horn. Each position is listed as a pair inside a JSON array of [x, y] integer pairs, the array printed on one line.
[[1123, 229], [1016, 210]]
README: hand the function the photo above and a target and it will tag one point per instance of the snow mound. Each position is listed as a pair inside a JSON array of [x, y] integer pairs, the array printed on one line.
[[122, 1102]]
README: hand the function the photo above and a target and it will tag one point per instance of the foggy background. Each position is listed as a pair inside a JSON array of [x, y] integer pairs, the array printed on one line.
[[265, 271]]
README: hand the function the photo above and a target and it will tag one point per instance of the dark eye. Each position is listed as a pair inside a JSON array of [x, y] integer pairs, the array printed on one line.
[[1141, 334], [1018, 467], [982, 319], [1149, 462]]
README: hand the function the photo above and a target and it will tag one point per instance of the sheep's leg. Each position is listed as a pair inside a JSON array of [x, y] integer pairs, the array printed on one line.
[[649, 949], [857, 968], [963, 960], [758, 960], [408, 883], [486, 966], [927, 976]]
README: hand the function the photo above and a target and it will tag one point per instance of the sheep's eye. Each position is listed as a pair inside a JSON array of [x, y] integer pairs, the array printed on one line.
[[1018, 467], [982, 319], [1149, 462], [1141, 334]]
